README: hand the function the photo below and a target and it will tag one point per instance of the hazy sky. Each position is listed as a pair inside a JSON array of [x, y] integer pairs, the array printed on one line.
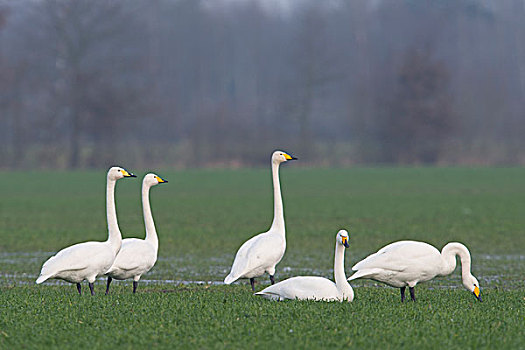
[[281, 7]]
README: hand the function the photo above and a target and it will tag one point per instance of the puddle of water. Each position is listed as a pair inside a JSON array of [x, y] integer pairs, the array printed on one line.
[[491, 270]]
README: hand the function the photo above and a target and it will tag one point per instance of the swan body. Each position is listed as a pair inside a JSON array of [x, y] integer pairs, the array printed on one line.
[[316, 288], [88, 260], [264, 251], [82, 261], [137, 256], [406, 263], [258, 255]]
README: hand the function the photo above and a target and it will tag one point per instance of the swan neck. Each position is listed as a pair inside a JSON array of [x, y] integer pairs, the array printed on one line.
[[339, 273], [278, 215], [151, 232], [449, 253], [114, 235]]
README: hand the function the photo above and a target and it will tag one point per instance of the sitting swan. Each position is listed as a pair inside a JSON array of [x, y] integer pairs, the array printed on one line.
[[261, 253], [316, 288], [137, 256], [86, 261], [406, 263]]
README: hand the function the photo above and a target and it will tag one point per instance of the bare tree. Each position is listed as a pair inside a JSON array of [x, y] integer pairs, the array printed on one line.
[[13, 82], [419, 115], [86, 82], [93, 85]]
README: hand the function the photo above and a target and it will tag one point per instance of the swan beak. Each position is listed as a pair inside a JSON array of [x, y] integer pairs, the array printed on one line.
[[345, 242], [289, 157], [160, 180], [127, 174], [477, 293]]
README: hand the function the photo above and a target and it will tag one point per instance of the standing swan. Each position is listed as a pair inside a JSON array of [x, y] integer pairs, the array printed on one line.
[[137, 256], [86, 261], [316, 288], [405, 263], [261, 253]]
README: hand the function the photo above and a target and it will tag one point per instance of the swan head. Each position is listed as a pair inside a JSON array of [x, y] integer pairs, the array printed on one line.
[[117, 172], [279, 157], [343, 238], [472, 284], [153, 179]]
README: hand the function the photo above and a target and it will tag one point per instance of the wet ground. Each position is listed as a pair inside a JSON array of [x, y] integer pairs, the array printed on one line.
[[493, 271]]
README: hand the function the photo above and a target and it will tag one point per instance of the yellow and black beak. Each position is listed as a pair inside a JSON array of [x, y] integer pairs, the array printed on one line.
[[345, 242], [160, 180], [289, 157], [127, 173], [477, 293]]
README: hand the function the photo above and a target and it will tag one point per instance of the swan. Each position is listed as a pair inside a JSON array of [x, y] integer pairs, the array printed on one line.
[[86, 261], [406, 263], [262, 252], [137, 256], [313, 287]]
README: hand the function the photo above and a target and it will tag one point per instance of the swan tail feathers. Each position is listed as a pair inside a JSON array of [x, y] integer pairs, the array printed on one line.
[[361, 265], [269, 295], [367, 273], [230, 279], [42, 278]]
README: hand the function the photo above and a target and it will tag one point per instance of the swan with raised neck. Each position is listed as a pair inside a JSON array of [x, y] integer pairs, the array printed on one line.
[[264, 251], [344, 288], [88, 260], [138, 256], [313, 287]]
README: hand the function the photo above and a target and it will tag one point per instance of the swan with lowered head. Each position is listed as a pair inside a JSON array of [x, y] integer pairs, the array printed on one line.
[[263, 252], [86, 261], [406, 263], [313, 287], [137, 256]]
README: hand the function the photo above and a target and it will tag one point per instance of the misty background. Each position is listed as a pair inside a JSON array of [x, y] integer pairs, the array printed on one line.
[[189, 83]]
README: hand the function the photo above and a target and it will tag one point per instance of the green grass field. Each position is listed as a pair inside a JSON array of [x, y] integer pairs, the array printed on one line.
[[203, 216]]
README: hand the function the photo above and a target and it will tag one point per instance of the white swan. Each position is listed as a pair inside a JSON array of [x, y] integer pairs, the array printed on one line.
[[262, 252], [406, 263], [316, 288], [137, 256], [86, 261]]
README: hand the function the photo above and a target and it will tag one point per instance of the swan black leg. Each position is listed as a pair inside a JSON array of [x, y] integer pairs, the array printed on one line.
[[107, 286], [252, 282], [92, 288], [79, 288], [135, 284], [403, 294], [412, 294], [272, 279]]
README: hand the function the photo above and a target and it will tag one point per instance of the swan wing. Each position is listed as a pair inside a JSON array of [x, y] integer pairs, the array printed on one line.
[[370, 273], [134, 254], [397, 256], [256, 253], [76, 257], [302, 288]]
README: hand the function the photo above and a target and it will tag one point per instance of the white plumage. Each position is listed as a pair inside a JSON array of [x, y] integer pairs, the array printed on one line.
[[406, 263], [316, 288], [137, 256], [88, 260], [263, 252]]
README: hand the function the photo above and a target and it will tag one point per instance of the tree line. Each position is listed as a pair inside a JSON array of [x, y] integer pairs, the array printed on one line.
[[222, 83]]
